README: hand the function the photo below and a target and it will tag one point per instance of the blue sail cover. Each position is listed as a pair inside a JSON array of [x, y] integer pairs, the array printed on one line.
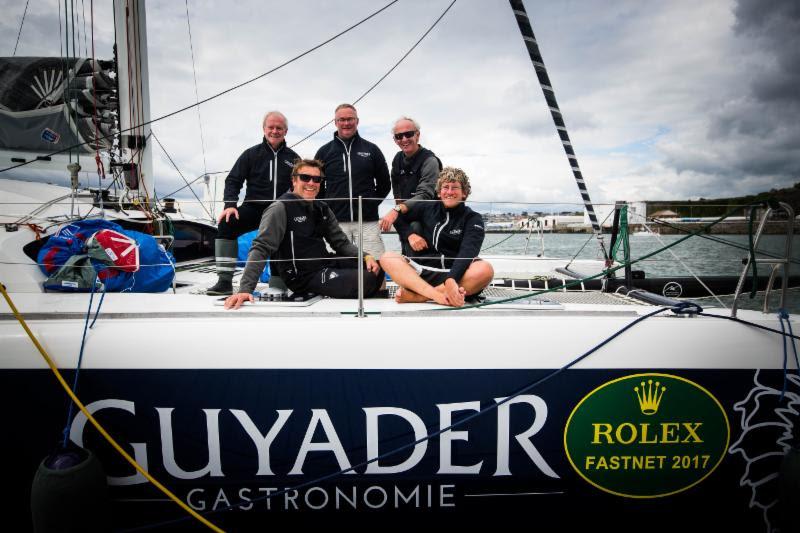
[[66, 260]]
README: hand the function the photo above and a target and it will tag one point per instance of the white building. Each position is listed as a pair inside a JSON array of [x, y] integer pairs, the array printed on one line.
[[637, 213]]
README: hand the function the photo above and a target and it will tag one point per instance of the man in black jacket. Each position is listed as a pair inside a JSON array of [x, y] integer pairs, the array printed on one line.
[[266, 169], [293, 233], [414, 173], [444, 265], [354, 167]]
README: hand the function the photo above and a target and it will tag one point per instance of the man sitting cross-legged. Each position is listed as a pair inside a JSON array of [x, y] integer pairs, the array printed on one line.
[[446, 237]]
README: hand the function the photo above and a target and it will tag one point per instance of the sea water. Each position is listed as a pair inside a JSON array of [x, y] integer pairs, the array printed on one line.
[[718, 255]]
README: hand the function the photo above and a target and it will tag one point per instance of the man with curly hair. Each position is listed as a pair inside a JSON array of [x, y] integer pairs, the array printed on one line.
[[444, 265]]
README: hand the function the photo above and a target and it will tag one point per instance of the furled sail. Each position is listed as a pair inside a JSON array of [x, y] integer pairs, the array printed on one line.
[[50, 103]]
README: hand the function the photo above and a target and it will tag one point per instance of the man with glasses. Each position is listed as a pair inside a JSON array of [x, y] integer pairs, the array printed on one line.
[[414, 173], [293, 234], [266, 169], [354, 167], [444, 265]]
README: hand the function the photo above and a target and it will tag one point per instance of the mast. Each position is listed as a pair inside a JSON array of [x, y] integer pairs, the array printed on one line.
[[134, 98], [558, 118]]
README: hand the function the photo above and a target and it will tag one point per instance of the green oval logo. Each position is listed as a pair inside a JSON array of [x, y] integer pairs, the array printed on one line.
[[646, 435]]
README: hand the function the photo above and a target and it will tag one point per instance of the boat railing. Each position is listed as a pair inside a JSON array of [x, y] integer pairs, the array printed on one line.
[[777, 263]]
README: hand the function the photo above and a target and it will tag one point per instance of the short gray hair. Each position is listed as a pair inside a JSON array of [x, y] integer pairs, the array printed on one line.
[[277, 113], [411, 120]]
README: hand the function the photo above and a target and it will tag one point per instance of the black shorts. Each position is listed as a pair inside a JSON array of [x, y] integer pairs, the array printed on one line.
[[338, 281], [433, 276]]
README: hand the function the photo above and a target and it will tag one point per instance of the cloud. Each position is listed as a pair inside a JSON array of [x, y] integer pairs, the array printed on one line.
[[671, 99]]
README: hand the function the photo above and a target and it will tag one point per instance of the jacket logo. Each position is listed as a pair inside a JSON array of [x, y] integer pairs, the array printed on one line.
[[288, 163], [364, 154], [300, 219], [455, 231]]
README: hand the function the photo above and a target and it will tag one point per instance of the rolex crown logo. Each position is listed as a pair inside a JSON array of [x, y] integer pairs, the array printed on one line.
[[649, 396]]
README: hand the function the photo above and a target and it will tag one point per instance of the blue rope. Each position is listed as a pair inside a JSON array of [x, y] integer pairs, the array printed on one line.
[[454, 425], [86, 326]]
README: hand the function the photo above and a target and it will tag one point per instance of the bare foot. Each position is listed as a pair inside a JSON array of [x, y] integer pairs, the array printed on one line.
[[454, 293], [406, 296]]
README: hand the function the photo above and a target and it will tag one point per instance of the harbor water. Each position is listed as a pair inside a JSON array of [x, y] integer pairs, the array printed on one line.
[[710, 255]]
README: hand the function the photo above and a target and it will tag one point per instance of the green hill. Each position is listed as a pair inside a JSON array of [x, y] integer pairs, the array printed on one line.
[[719, 206]]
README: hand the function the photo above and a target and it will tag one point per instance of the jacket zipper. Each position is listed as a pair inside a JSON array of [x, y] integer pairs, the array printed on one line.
[[294, 264], [346, 163]]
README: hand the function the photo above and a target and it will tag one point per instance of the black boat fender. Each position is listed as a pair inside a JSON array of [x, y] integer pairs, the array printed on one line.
[[69, 493]]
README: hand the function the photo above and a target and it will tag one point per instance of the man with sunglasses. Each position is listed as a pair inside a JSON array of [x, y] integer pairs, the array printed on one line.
[[414, 173], [354, 167], [265, 169], [293, 233]]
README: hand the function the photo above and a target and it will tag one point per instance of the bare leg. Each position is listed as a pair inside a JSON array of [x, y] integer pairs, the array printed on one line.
[[406, 277], [477, 277]]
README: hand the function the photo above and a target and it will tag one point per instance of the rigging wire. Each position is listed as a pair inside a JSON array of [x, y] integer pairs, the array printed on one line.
[[181, 174], [22, 23], [226, 91], [196, 94], [363, 95]]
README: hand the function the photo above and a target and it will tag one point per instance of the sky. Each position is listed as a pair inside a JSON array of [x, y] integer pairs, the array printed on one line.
[[662, 100]]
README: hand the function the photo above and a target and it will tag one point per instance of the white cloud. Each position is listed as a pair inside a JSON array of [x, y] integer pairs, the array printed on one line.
[[661, 99]]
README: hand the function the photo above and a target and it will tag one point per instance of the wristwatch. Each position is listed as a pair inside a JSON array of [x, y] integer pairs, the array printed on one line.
[[398, 208]]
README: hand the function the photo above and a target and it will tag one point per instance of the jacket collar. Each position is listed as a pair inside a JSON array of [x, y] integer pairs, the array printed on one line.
[[268, 146]]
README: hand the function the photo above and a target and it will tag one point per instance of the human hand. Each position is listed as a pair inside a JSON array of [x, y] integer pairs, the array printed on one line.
[[387, 220], [226, 214], [235, 301], [372, 265], [417, 243]]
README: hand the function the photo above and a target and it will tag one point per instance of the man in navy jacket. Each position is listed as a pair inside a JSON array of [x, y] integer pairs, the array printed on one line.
[[266, 169], [354, 167]]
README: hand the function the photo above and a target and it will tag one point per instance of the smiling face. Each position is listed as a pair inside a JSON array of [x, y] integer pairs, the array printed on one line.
[[307, 190], [451, 194], [274, 130], [346, 120], [409, 137]]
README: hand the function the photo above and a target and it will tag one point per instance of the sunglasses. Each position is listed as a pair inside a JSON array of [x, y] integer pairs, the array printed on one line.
[[305, 178], [404, 134]]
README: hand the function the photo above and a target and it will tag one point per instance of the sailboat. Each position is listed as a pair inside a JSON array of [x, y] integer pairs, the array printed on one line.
[[569, 409]]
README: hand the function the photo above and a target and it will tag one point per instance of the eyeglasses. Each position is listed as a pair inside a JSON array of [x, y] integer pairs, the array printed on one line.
[[346, 119], [305, 178], [404, 134], [451, 187]]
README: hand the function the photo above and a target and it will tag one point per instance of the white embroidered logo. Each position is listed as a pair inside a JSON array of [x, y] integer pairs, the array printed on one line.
[[300, 219], [364, 154]]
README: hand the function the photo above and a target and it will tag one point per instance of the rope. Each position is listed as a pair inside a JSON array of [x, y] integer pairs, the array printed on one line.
[[86, 326], [226, 91], [20, 27], [357, 100], [683, 264], [94, 422], [429, 436], [577, 282], [498, 243]]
